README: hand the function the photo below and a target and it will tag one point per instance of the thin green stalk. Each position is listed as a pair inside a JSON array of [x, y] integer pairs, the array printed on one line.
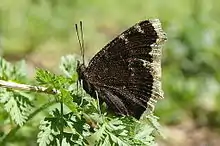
[[61, 120]]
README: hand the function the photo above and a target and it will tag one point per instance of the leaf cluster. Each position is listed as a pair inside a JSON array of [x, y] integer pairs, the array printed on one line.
[[77, 119]]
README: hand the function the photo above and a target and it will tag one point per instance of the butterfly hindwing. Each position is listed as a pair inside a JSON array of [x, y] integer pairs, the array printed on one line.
[[126, 72]]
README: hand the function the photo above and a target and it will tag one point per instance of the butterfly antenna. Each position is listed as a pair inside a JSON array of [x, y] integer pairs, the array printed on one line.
[[82, 39]]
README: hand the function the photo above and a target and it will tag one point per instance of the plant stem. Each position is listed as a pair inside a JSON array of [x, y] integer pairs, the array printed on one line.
[[61, 120], [13, 85]]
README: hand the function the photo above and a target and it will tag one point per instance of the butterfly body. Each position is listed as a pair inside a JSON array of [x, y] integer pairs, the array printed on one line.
[[126, 73]]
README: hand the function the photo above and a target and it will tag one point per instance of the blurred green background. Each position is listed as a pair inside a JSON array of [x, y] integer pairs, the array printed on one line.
[[41, 31]]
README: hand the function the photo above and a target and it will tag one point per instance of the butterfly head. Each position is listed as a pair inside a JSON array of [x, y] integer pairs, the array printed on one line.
[[80, 70]]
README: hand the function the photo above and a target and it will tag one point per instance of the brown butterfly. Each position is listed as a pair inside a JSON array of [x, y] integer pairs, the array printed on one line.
[[126, 73]]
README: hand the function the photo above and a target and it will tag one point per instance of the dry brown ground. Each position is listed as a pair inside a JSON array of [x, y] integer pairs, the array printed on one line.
[[187, 134]]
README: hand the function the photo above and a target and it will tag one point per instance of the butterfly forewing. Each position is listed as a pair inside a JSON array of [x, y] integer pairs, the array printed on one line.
[[126, 72]]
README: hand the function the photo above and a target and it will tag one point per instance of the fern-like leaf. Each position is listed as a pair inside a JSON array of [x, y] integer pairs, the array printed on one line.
[[46, 134], [51, 130], [68, 66], [19, 108]]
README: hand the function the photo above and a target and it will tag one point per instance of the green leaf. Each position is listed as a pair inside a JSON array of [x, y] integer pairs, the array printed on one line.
[[19, 108], [12, 72], [68, 66], [5, 95], [153, 121], [73, 127], [106, 141], [46, 134]]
